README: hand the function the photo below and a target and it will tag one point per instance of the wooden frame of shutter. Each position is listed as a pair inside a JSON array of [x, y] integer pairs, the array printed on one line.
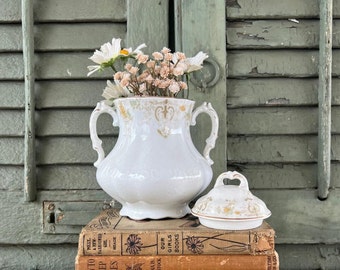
[[325, 98], [30, 188]]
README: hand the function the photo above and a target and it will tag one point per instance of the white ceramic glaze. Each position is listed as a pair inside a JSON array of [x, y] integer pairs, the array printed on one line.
[[224, 224], [154, 170], [231, 207]]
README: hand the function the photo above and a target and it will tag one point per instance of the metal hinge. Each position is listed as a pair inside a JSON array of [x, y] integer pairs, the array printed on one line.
[[68, 217]]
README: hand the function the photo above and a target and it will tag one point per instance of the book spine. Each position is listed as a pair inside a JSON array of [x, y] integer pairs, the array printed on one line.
[[175, 243], [185, 262]]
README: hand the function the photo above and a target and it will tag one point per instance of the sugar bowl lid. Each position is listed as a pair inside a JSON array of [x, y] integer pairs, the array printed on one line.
[[231, 206]]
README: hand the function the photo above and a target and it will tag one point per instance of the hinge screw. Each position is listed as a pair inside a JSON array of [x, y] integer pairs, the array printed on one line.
[[51, 207], [52, 228]]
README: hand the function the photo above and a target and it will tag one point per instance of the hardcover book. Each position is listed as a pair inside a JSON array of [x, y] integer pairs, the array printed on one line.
[[179, 262], [111, 234]]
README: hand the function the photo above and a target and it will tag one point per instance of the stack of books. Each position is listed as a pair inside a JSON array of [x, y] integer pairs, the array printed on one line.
[[110, 242]]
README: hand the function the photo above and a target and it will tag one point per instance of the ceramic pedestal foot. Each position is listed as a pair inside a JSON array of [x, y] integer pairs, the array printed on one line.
[[142, 210]]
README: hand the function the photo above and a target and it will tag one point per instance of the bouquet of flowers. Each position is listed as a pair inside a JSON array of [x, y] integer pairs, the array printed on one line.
[[136, 74]]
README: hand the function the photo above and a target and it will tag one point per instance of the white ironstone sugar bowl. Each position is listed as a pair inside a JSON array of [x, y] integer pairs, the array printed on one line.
[[230, 207]]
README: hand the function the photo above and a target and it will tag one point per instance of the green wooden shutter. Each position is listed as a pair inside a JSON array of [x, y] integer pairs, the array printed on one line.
[[273, 87], [200, 26], [34, 234]]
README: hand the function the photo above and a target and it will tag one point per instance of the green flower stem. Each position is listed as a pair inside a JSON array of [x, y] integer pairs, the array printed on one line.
[[187, 77], [113, 68]]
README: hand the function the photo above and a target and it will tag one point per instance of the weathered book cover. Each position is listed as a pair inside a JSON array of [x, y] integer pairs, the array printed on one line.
[[185, 262], [111, 234]]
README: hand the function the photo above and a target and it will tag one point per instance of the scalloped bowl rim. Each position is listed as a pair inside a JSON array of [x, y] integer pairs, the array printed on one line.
[[231, 219], [230, 224]]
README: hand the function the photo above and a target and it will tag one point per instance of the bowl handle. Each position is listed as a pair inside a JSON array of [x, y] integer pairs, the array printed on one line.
[[96, 142], [210, 142], [232, 175]]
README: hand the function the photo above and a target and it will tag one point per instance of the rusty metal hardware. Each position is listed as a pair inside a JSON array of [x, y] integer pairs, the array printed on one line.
[[208, 76], [68, 217]]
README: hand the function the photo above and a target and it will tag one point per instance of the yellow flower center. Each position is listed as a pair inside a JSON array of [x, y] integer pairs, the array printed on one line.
[[124, 51]]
